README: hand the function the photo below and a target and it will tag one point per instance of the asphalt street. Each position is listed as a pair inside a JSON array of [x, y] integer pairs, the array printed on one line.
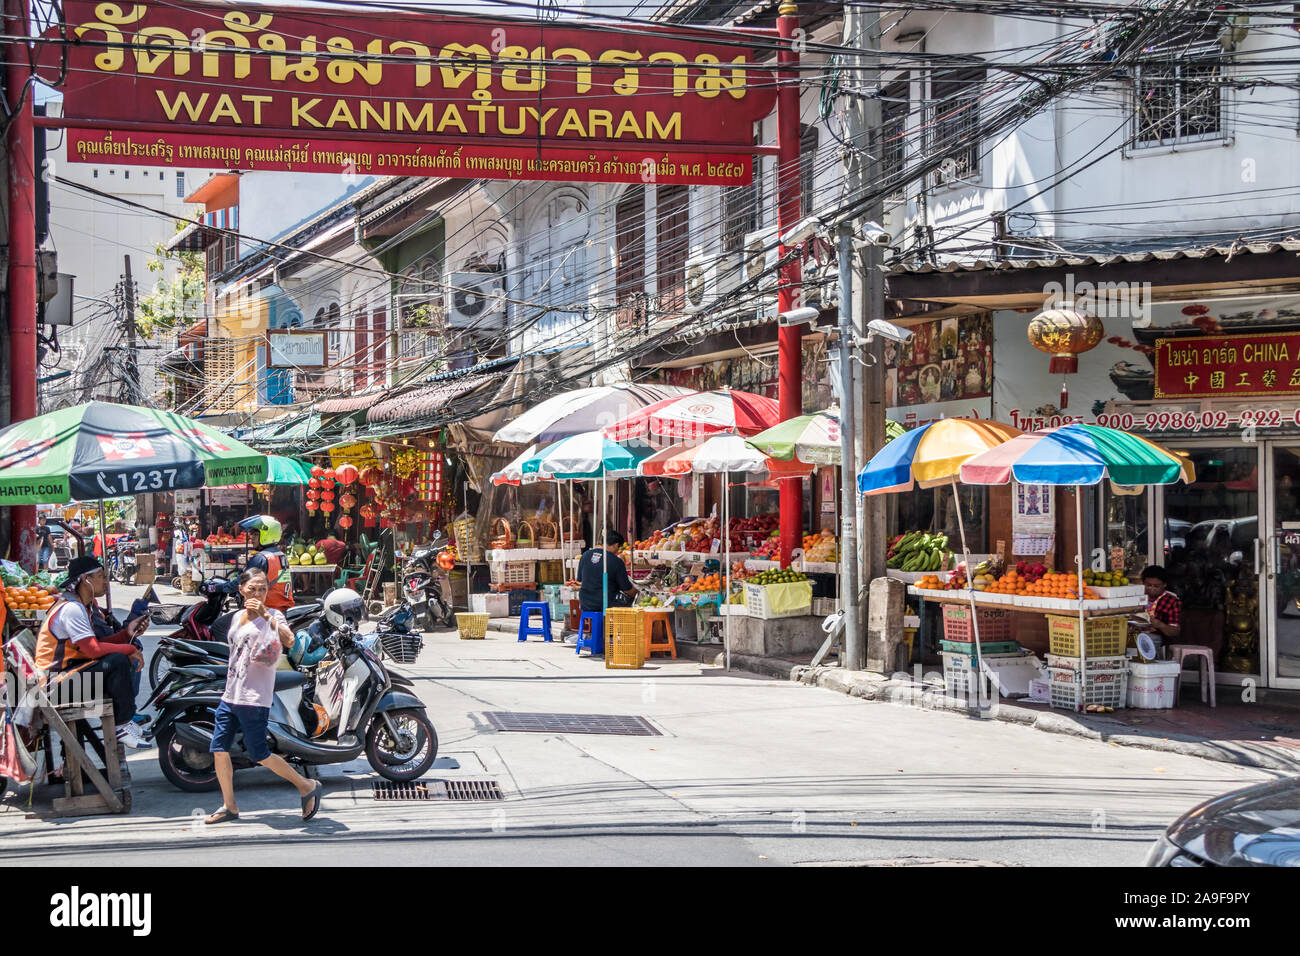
[[746, 772]]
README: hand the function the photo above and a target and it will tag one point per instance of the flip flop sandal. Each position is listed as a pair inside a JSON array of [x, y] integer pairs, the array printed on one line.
[[221, 816], [307, 799]]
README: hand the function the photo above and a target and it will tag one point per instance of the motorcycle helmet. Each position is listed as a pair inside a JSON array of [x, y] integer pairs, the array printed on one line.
[[306, 650], [268, 529], [343, 606]]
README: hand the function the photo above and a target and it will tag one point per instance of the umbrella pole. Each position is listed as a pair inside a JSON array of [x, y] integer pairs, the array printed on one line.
[[726, 552], [1078, 540], [970, 594], [103, 557]]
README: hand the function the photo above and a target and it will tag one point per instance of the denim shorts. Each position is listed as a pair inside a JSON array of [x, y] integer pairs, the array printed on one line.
[[251, 720]]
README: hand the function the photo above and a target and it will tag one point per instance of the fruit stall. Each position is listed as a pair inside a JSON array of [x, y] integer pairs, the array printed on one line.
[[26, 596]]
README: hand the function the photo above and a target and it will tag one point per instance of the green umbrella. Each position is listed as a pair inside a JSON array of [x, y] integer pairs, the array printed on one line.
[[103, 450], [814, 438], [286, 471]]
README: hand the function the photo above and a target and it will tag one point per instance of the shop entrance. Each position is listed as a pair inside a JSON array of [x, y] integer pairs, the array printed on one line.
[[1231, 543]]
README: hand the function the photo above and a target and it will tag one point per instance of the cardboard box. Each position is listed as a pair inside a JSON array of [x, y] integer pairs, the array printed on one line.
[[146, 569]]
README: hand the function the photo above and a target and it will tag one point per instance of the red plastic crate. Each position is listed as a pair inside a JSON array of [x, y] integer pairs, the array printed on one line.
[[994, 625]]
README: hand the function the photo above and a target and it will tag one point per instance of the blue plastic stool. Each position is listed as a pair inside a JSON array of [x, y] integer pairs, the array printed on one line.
[[526, 627], [595, 639]]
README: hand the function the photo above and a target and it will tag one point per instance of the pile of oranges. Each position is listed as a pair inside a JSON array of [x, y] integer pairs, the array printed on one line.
[[31, 598], [1053, 584], [707, 582]]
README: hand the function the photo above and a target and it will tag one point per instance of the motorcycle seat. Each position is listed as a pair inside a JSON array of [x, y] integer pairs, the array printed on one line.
[[204, 670], [301, 612], [285, 679]]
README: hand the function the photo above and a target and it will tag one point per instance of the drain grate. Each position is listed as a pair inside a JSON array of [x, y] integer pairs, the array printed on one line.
[[417, 790], [571, 723]]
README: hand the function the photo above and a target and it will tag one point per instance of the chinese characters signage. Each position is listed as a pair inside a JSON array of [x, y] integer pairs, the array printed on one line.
[[1237, 366], [311, 90]]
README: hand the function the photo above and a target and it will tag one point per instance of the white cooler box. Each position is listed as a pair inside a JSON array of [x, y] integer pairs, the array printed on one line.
[[1153, 686], [491, 604]]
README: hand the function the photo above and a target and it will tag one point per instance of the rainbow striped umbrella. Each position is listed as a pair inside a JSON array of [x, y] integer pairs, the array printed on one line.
[[930, 456], [1078, 455]]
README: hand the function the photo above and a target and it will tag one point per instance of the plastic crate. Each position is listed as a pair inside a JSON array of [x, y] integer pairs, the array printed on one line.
[[517, 599], [624, 638], [1104, 636], [1106, 688], [758, 605], [513, 572], [550, 572], [994, 624], [472, 627], [493, 605], [960, 671], [967, 648], [1096, 665]]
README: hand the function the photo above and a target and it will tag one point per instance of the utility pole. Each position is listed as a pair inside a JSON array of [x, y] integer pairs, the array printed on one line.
[[131, 394], [790, 279], [20, 147]]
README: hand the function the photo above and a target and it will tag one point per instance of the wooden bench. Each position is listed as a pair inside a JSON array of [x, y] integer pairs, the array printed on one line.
[[113, 784]]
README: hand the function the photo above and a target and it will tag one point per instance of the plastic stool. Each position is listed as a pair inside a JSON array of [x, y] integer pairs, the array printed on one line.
[[526, 627], [595, 639], [1180, 653], [661, 626]]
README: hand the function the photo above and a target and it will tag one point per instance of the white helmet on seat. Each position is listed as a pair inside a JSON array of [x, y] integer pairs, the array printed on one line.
[[343, 606]]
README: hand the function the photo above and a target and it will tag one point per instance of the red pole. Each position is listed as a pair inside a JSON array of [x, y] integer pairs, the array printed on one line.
[[22, 258], [790, 291]]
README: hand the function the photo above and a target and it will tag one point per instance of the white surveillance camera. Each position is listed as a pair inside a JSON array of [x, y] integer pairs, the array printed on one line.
[[806, 229], [873, 234], [888, 330], [802, 316]]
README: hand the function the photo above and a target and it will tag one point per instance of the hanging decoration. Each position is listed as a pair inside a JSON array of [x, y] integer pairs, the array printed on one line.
[[327, 506], [312, 505], [345, 522], [347, 473], [313, 483], [369, 511], [406, 463], [347, 502], [317, 471], [1065, 334], [371, 476], [329, 475]]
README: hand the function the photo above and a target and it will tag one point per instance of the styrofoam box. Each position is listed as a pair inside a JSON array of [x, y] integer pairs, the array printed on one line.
[[493, 605], [1153, 686], [1127, 591]]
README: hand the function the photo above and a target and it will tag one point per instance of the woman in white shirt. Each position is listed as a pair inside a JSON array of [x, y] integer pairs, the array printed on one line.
[[257, 636]]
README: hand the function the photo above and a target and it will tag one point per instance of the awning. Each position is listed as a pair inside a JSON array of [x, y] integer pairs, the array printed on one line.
[[428, 402], [193, 238], [347, 404], [284, 431]]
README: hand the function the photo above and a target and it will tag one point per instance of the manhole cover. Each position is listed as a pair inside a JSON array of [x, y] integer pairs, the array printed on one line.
[[391, 791], [1271, 728], [571, 723]]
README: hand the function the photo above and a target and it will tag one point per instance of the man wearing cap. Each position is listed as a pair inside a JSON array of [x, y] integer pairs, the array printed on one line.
[[271, 561], [68, 644]]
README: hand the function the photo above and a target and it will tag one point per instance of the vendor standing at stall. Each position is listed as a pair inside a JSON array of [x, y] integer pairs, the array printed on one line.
[[599, 566], [271, 561], [1164, 607]]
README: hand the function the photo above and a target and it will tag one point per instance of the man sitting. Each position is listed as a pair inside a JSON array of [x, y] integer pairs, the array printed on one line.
[[67, 644]]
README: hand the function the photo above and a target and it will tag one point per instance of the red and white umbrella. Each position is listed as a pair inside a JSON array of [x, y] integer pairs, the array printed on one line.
[[719, 454], [699, 414]]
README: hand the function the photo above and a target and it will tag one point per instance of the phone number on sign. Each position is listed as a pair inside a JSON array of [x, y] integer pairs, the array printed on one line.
[[1201, 421]]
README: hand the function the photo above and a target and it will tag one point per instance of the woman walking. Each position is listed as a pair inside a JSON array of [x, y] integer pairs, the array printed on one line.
[[257, 635]]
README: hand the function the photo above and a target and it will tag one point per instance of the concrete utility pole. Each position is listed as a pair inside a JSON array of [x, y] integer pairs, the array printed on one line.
[[131, 392], [22, 256]]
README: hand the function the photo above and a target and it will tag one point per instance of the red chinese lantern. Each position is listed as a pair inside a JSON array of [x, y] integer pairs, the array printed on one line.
[[369, 511], [347, 473], [312, 505], [348, 501], [313, 483], [317, 471], [370, 476], [1065, 334], [327, 506], [329, 475], [327, 494], [345, 522]]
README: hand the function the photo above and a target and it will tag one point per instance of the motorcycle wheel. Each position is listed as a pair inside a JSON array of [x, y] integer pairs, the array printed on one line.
[[408, 757], [185, 768], [158, 666]]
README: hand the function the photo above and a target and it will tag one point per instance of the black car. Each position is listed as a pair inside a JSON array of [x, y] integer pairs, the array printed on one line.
[[1254, 826]]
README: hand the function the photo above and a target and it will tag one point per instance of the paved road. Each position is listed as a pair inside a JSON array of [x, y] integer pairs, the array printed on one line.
[[747, 772]]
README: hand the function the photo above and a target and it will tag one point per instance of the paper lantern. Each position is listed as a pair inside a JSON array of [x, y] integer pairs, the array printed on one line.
[[345, 522], [327, 494], [317, 471], [369, 511], [370, 476], [1064, 334], [348, 501], [347, 474], [327, 506], [329, 475], [312, 505], [313, 483]]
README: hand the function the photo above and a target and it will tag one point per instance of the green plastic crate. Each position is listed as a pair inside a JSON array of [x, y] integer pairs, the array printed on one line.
[[986, 647]]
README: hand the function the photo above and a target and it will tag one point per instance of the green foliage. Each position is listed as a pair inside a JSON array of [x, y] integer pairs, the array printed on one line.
[[174, 304]]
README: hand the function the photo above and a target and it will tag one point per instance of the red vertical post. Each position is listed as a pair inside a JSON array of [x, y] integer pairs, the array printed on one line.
[[790, 289], [22, 256]]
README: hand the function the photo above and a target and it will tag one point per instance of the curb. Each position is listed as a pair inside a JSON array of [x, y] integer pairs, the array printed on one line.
[[876, 687]]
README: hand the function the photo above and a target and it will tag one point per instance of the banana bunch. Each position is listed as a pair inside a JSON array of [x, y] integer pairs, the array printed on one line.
[[919, 551]]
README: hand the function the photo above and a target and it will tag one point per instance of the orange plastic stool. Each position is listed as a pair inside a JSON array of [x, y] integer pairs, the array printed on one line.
[[659, 635]]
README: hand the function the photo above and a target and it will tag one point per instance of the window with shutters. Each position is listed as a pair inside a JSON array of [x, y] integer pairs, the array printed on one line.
[[219, 358], [1177, 102], [808, 140], [629, 246], [740, 211], [360, 350], [379, 346], [892, 149], [954, 120], [420, 313], [671, 248]]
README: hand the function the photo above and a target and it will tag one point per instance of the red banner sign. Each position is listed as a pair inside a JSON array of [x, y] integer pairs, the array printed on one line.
[[192, 84], [1228, 365]]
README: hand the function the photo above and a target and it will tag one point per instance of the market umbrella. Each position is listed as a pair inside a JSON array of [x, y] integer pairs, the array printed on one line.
[[930, 456], [104, 450], [1078, 455], [721, 454], [583, 410], [513, 474], [589, 455], [812, 438], [286, 471], [697, 414]]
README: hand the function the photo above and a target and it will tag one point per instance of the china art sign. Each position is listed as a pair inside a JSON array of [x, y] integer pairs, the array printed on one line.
[[414, 94], [1233, 366]]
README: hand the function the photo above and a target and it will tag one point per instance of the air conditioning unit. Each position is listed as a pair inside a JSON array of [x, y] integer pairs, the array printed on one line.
[[761, 257], [476, 301], [701, 279]]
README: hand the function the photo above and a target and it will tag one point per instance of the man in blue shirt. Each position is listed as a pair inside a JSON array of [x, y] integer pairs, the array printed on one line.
[[592, 575]]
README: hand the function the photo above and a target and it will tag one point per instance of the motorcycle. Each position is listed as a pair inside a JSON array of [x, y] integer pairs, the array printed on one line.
[[122, 560], [355, 707], [196, 621], [422, 588]]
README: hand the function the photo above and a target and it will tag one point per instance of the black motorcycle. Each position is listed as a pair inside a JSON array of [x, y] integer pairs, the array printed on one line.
[[122, 560], [355, 707], [422, 588], [196, 621]]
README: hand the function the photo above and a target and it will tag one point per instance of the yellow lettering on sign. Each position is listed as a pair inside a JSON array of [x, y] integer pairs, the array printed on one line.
[[225, 109], [451, 117], [654, 131], [571, 122], [628, 124], [422, 121], [302, 111], [182, 101]]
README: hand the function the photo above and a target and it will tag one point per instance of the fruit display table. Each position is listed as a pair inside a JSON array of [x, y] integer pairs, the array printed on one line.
[[316, 578]]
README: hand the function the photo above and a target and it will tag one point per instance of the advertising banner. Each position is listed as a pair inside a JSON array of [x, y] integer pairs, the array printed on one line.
[[943, 370], [405, 93]]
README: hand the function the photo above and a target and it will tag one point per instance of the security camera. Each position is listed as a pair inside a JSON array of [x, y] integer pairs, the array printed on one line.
[[806, 229], [802, 316], [872, 234], [888, 330]]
